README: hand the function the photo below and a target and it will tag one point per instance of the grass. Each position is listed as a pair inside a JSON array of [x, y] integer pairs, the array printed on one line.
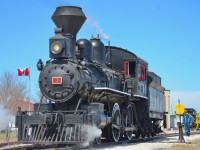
[[13, 137], [185, 147]]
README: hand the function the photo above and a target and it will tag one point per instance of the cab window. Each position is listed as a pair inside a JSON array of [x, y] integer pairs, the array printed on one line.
[[129, 68]]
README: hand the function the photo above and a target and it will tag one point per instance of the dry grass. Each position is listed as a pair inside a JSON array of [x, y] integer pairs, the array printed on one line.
[[185, 147], [13, 137], [194, 145]]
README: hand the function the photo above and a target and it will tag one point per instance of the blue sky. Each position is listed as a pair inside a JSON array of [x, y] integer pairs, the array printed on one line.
[[166, 33]]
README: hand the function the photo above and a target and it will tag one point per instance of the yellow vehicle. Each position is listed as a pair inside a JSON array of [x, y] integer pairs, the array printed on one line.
[[197, 121], [196, 117]]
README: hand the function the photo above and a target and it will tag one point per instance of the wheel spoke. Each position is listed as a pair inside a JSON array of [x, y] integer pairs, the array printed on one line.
[[115, 126]]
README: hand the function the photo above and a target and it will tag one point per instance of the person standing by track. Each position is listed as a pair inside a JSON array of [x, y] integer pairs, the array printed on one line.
[[187, 120]]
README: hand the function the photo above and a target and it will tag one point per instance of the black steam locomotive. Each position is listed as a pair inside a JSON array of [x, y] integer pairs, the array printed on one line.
[[87, 83]]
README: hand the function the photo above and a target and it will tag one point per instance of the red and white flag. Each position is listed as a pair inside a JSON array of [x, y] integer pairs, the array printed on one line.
[[23, 72]]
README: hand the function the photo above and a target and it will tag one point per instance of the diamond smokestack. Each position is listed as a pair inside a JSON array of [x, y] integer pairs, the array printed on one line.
[[69, 18]]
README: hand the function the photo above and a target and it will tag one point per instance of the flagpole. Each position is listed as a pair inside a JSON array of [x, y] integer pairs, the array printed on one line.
[[29, 89]]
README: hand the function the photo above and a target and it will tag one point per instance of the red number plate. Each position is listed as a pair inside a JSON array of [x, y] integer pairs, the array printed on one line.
[[56, 80]]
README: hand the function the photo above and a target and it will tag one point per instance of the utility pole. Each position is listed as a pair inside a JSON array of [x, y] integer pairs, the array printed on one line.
[[179, 111]]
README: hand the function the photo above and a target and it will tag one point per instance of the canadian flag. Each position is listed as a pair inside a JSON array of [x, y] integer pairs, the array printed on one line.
[[23, 72]]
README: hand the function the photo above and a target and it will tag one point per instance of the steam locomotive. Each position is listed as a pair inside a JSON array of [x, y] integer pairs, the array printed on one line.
[[87, 83]]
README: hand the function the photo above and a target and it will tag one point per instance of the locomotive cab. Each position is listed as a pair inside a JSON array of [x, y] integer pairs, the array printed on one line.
[[133, 68], [134, 75]]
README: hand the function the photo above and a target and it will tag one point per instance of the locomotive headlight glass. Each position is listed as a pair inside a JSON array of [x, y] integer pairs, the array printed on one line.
[[56, 47]]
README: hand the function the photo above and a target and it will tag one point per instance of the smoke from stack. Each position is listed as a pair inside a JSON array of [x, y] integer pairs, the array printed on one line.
[[93, 23], [89, 133], [5, 118]]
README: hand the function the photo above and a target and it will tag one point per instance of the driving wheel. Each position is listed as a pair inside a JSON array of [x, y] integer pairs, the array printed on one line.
[[116, 122]]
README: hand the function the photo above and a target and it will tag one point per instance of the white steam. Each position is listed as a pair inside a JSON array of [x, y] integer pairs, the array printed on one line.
[[5, 118], [89, 133], [93, 23]]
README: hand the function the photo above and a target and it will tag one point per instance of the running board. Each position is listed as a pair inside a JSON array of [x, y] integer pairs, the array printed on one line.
[[111, 91], [117, 92]]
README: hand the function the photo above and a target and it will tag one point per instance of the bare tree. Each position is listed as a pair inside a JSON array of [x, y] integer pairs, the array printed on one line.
[[12, 91], [39, 96]]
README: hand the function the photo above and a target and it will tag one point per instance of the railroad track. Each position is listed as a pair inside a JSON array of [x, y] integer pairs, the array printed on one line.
[[104, 144]]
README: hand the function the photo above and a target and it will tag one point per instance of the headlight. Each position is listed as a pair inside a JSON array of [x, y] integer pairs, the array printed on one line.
[[56, 47]]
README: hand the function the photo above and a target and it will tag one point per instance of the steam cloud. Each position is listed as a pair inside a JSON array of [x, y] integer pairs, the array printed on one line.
[[93, 23], [89, 133], [5, 118]]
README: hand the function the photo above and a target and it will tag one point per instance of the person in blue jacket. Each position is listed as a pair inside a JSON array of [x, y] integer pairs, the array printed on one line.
[[187, 120]]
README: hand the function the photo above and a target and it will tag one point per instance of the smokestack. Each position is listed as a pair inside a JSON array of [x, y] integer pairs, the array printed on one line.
[[69, 18]]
